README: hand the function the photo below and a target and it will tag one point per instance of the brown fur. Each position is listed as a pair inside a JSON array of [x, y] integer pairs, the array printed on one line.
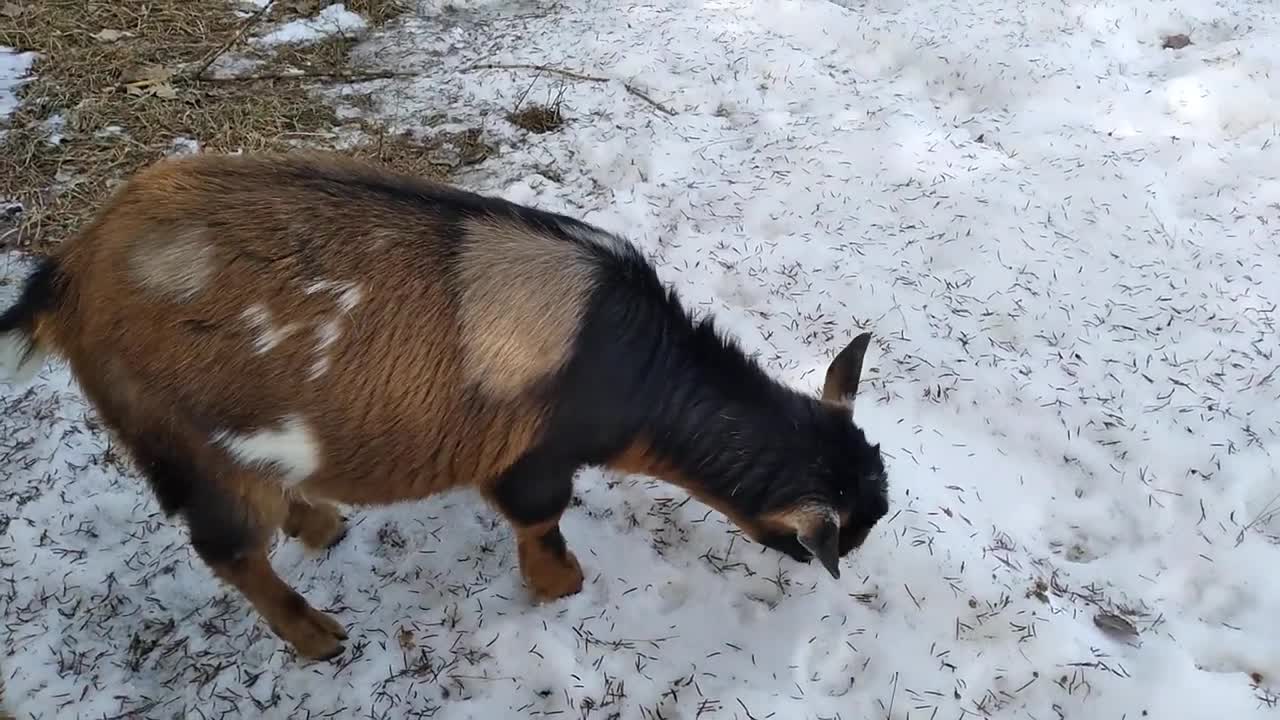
[[185, 267], [176, 262], [287, 613], [361, 409], [552, 572]]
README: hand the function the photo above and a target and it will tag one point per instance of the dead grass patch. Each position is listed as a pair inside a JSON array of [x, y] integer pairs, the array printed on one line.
[[536, 117], [436, 157], [118, 81]]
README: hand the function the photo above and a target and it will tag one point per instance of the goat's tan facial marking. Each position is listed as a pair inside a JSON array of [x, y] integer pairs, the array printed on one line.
[[268, 334], [816, 527], [175, 263], [521, 305], [291, 449]]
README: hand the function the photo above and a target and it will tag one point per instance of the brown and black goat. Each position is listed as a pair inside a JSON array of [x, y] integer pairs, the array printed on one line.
[[269, 336]]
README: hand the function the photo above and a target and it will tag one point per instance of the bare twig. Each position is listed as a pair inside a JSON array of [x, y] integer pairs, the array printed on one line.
[[312, 75], [574, 75], [244, 28]]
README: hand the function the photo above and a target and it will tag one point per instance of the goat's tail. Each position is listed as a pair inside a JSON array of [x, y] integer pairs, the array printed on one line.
[[21, 352]]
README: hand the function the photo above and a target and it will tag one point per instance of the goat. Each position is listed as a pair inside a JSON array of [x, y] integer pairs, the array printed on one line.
[[270, 337]]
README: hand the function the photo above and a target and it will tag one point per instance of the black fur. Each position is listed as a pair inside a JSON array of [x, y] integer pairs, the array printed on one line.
[[643, 367], [553, 542], [220, 531], [41, 293], [536, 489]]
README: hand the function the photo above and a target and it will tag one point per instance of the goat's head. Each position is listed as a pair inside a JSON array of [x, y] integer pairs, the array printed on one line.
[[838, 493]]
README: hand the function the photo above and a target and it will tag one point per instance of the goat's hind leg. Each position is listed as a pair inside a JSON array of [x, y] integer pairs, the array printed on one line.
[[232, 527], [232, 513]]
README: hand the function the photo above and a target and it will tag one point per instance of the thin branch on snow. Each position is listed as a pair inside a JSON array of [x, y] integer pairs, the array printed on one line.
[[572, 75]]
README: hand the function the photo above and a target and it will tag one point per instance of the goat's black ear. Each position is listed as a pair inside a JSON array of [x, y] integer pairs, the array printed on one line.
[[845, 371], [822, 538]]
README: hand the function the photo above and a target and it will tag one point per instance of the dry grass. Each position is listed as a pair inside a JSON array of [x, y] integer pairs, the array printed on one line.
[[121, 98], [536, 117]]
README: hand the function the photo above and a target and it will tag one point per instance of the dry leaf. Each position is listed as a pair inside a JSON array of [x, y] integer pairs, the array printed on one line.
[[160, 90], [406, 639], [1176, 42], [1115, 625], [149, 80], [12, 10], [109, 35], [146, 74]]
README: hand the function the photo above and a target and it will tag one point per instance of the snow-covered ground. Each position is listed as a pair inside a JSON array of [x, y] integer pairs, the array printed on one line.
[[14, 69], [1061, 234]]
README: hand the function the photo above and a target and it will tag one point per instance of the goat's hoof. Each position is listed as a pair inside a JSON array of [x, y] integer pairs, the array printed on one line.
[[320, 527], [557, 582], [314, 635], [338, 536]]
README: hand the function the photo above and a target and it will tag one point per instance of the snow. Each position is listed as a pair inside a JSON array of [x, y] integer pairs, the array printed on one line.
[[1061, 236], [14, 69], [332, 20], [185, 146]]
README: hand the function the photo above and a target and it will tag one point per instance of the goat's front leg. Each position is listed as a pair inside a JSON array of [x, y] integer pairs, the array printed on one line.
[[532, 495]]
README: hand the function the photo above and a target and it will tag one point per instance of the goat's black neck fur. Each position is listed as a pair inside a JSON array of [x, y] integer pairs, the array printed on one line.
[[644, 369]]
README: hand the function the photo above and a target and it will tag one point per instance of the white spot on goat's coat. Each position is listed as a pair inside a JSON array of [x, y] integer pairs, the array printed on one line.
[[326, 335], [269, 335], [350, 298], [292, 448], [349, 294]]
